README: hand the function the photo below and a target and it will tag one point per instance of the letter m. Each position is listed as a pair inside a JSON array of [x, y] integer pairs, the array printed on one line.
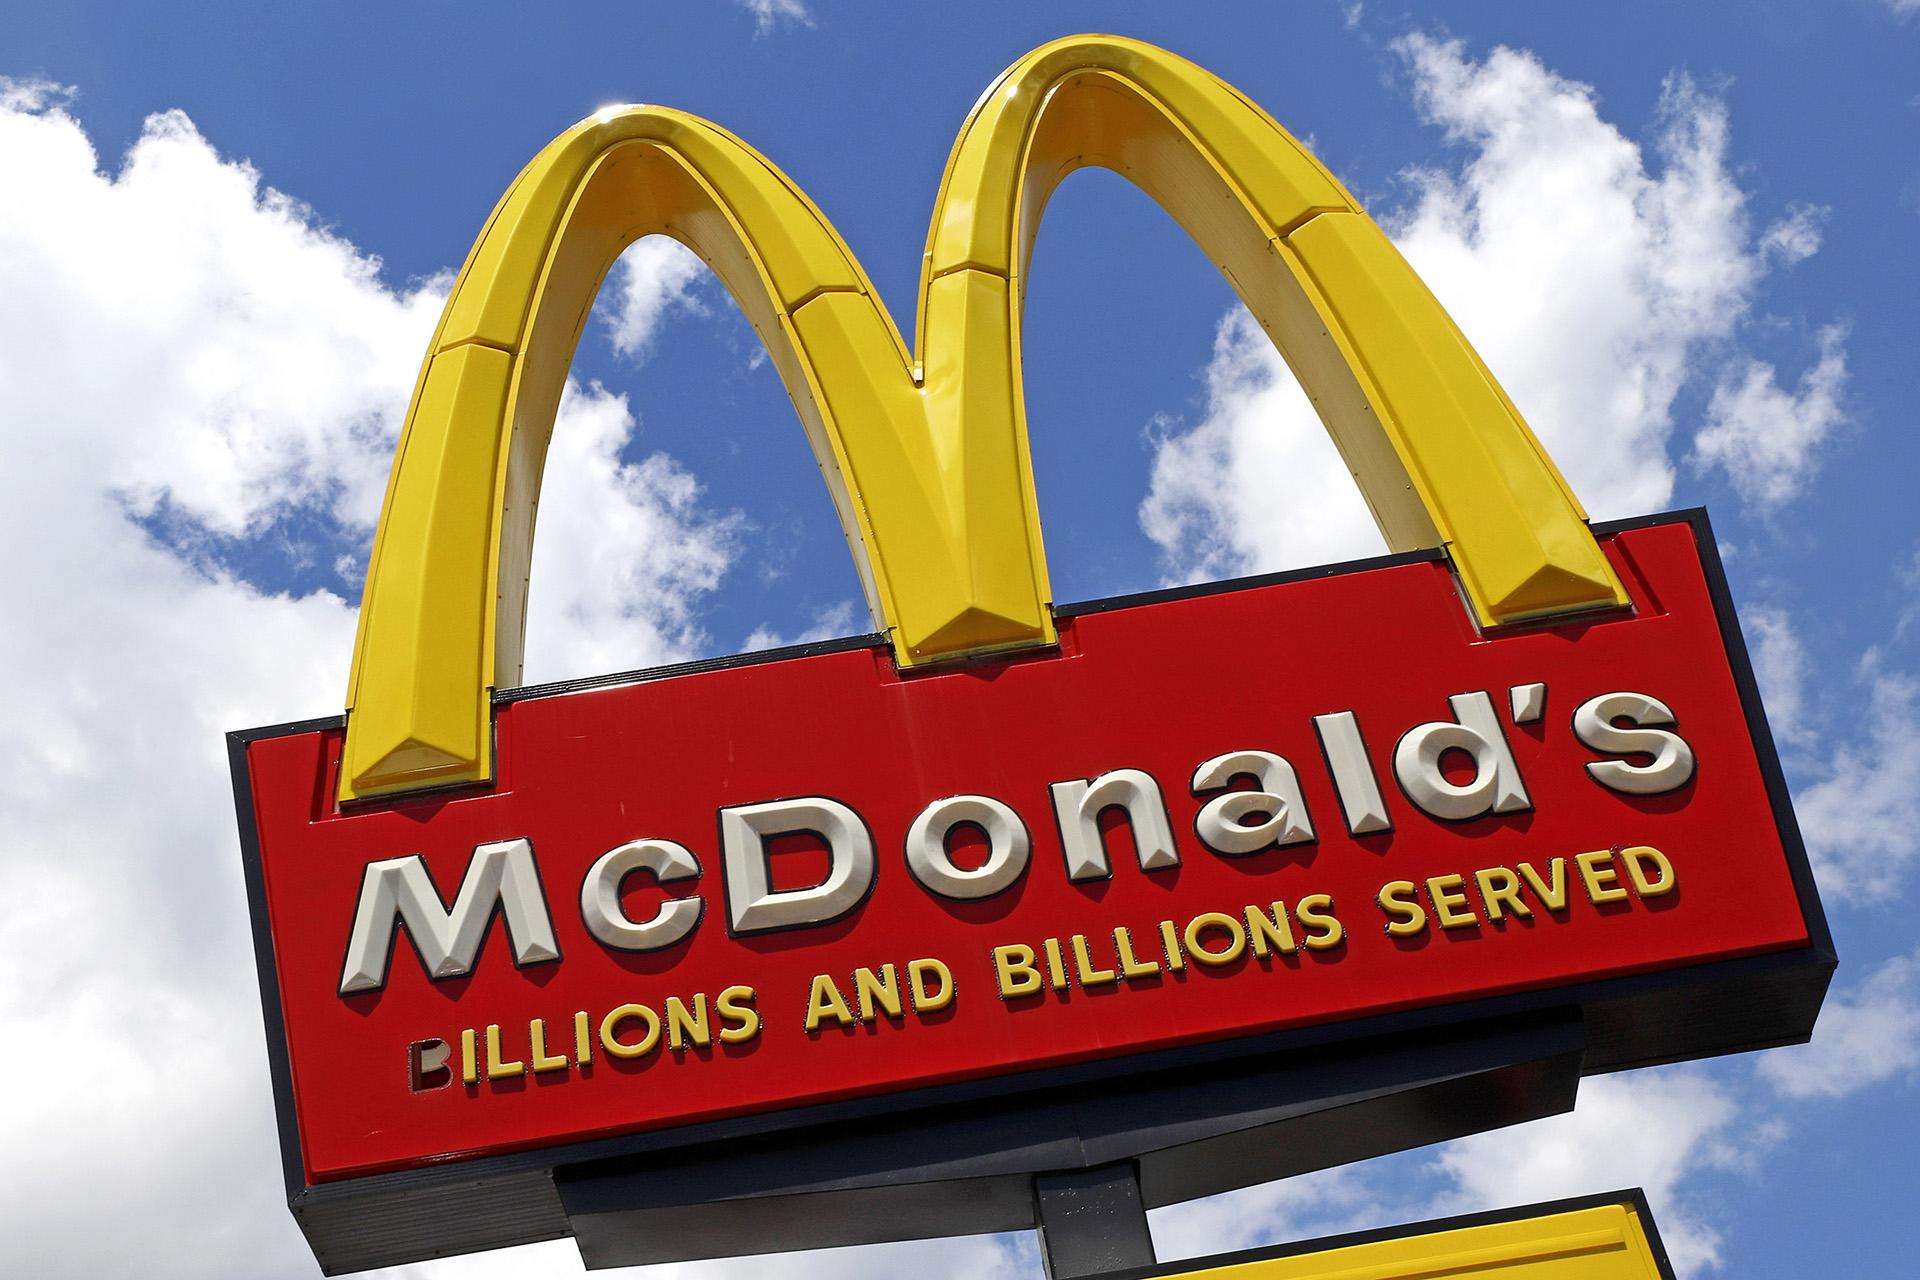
[[400, 891]]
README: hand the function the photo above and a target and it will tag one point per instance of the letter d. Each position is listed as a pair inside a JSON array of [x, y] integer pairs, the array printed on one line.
[[753, 904], [1495, 786]]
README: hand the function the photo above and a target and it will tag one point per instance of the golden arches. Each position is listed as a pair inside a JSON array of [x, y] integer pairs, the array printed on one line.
[[927, 462]]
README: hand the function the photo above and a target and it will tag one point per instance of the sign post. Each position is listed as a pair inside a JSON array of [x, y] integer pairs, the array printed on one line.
[[1091, 1220], [902, 935]]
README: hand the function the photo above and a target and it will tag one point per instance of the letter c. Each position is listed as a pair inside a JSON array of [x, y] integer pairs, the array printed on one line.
[[600, 896]]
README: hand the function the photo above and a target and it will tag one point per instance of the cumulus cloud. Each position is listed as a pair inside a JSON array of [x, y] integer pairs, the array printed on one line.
[[1328, 1202], [624, 552], [653, 279], [841, 618], [1650, 1129], [191, 319], [192, 367], [1765, 437], [769, 14], [1867, 1035], [1257, 485], [1797, 236], [1598, 275], [1654, 1129], [1909, 577], [1851, 754], [1861, 817], [1780, 665]]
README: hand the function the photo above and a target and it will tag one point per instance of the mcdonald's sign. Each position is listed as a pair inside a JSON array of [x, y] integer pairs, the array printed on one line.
[[1006, 861]]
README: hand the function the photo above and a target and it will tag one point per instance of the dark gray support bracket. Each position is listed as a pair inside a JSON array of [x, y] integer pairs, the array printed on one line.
[[1092, 1221], [977, 1167]]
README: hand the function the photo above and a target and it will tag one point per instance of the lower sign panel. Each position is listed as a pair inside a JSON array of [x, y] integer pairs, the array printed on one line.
[[738, 897], [1596, 1238]]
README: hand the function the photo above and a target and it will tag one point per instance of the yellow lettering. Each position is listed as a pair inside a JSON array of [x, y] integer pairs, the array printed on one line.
[[1170, 943], [1405, 916], [688, 1026], [869, 988], [738, 1018], [1636, 858], [1013, 971], [1315, 914], [1083, 965], [1056, 964], [1553, 892], [1269, 933], [826, 1001], [1196, 931], [1500, 892], [924, 1000], [610, 1025], [1602, 878], [582, 1038], [498, 1068], [537, 1048], [1447, 901], [1130, 967], [469, 1066]]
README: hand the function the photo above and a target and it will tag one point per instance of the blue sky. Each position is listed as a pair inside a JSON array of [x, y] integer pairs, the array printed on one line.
[[1682, 235]]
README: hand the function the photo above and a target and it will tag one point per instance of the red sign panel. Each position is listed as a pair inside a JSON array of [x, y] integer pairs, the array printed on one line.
[[749, 889]]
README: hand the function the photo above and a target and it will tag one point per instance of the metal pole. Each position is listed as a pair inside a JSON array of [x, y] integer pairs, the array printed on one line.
[[1092, 1220]]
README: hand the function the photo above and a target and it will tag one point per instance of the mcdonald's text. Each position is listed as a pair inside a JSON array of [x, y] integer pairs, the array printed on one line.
[[1249, 800]]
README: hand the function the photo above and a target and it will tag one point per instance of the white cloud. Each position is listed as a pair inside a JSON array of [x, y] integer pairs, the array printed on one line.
[[1853, 755], [1796, 237], [1766, 438], [190, 322], [624, 552], [1780, 665], [180, 342], [33, 93], [1597, 275], [1861, 819], [1866, 1036], [769, 14], [1908, 576], [836, 620], [1328, 1202], [1257, 485], [652, 279], [1647, 1129]]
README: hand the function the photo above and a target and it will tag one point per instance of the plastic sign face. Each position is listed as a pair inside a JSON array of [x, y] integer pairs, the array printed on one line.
[[1597, 1238], [1517, 768], [794, 880]]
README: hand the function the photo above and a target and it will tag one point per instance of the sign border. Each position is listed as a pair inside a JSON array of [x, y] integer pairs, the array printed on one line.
[[1799, 975]]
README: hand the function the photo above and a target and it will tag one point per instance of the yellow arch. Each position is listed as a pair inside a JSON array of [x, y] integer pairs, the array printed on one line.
[[927, 462]]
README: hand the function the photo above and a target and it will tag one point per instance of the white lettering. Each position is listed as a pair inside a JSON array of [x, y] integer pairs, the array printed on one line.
[[600, 896], [400, 890], [1672, 763], [753, 904], [1077, 806]]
